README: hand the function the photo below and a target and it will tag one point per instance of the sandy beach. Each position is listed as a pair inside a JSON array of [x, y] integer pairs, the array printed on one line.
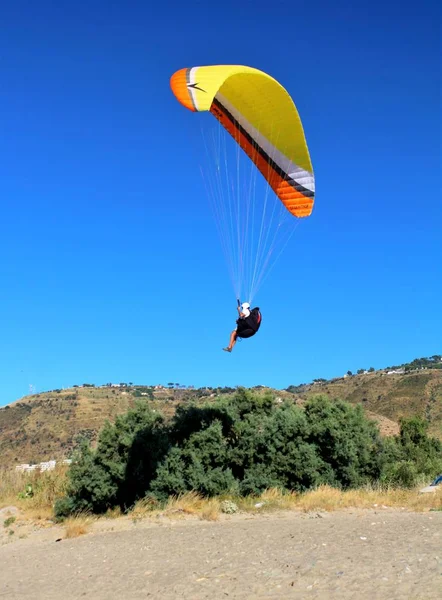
[[375, 554]]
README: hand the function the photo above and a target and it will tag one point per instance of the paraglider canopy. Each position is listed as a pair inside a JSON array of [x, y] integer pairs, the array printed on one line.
[[262, 118]]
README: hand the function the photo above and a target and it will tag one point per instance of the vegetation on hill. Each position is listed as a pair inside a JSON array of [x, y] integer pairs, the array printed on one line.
[[389, 393], [243, 445], [50, 425], [432, 362]]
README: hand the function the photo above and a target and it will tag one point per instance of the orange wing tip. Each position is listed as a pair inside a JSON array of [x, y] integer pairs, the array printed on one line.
[[295, 202], [302, 208], [302, 213], [178, 83]]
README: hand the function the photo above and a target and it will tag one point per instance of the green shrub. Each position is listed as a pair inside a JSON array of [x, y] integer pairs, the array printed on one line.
[[242, 444], [119, 472], [346, 440], [412, 455], [401, 474], [248, 444], [200, 464]]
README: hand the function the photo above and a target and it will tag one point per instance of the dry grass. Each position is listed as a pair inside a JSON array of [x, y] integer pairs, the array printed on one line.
[[271, 499], [33, 493], [143, 508], [179, 506], [326, 498], [78, 525], [193, 503], [50, 485], [211, 510], [113, 513]]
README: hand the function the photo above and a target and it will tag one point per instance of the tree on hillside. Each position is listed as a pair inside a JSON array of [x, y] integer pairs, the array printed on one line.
[[241, 444]]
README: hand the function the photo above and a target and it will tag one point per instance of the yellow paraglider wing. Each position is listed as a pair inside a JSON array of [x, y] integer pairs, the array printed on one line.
[[260, 115]]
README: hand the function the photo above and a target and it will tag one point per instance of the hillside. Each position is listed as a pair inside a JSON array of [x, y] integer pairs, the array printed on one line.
[[47, 426], [393, 395]]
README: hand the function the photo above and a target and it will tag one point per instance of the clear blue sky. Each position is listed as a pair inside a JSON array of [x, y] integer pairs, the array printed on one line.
[[110, 266]]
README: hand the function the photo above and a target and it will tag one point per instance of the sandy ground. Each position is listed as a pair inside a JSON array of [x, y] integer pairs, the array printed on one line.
[[371, 555]]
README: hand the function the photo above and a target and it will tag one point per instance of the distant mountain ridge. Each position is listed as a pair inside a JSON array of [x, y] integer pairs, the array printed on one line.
[[47, 426]]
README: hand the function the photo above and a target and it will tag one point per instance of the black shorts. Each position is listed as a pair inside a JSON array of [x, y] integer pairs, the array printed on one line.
[[245, 333]]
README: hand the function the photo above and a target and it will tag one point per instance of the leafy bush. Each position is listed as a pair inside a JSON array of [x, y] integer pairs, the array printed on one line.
[[201, 464], [412, 455], [345, 440], [243, 445], [120, 470]]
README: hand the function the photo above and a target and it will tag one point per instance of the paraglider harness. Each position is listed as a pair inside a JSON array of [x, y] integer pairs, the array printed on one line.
[[252, 322]]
